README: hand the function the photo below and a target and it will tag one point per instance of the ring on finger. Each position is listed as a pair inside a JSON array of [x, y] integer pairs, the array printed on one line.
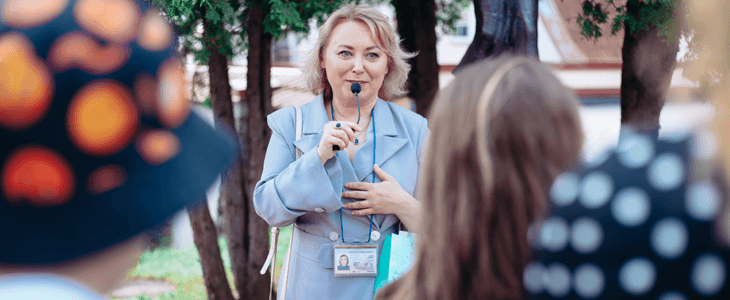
[[338, 125]]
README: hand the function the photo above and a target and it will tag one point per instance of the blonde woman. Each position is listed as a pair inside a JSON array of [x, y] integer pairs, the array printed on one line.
[[502, 131], [359, 193]]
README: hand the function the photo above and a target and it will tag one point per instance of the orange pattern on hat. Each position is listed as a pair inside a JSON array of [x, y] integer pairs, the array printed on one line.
[[114, 20], [173, 106], [102, 118], [37, 175], [155, 33], [29, 13], [77, 50], [158, 146], [106, 179], [26, 84], [146, 90]]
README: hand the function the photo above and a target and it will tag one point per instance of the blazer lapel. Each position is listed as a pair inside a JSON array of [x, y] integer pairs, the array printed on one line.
[[387, 140], [314, 117]]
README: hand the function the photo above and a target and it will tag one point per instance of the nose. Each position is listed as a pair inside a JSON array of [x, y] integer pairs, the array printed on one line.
[[357, 66]]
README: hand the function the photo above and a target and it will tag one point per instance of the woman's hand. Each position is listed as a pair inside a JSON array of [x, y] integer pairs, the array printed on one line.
[[385, 197], [333, 135]]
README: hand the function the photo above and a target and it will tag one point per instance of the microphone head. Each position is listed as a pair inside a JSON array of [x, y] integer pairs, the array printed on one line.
[[355, 88]]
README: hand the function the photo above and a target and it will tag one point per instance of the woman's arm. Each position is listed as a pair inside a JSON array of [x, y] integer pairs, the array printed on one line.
[[289, 188]]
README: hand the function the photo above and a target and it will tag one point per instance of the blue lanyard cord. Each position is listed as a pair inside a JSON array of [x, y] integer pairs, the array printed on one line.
[[372, 118]]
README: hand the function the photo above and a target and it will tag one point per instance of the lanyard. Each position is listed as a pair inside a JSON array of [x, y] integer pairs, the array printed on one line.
[[372, 118]]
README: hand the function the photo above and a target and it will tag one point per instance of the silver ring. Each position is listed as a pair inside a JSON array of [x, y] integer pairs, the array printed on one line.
[[338, 125]]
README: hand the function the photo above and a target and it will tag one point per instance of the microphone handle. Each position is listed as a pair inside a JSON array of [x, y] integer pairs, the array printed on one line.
[[335, 148]]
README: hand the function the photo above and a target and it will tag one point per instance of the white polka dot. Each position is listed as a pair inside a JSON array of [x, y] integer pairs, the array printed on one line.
[[666, 172], [704, 146], [557, 280], [672, 295], [631, 207], [533, 277], [635, 151], [702, 201], [708, 274], [669, 238], [637, 276], [564, 189], [600, 158], [596, 190], [586, 235], [554, 234], [589, 281]]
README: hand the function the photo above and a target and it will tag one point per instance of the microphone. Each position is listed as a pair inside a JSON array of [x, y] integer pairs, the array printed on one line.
[[355, 88]]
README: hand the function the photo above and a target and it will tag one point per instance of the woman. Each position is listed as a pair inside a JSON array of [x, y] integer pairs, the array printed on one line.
[[360, 193], [502, 131]]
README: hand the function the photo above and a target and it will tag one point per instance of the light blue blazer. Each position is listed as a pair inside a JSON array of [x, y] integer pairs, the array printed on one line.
[[308, 194]]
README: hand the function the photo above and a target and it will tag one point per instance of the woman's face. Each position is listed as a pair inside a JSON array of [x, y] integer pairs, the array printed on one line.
[[343, 260], [351, 55]]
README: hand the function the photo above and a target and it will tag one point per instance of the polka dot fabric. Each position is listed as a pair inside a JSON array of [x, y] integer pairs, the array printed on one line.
[[643, 226], [98, 140]]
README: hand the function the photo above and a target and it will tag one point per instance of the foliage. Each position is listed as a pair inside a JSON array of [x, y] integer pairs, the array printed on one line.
[[448, 13], [227, 20], [658, 13], [179, 267]]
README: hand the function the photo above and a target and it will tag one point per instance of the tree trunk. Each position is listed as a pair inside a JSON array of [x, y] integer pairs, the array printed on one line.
[[417, 27], [251, 284], [648, 64], [503, 26], [231, 194], [206, 240]]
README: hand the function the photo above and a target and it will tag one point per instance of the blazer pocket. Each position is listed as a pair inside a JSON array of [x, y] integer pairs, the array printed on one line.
[[325, 255]]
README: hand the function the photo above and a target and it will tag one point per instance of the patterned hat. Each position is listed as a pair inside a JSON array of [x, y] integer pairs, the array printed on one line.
[[643, 221], [98, 141]]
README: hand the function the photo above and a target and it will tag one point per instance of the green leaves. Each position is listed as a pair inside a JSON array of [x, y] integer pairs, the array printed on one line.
[[657, 13]]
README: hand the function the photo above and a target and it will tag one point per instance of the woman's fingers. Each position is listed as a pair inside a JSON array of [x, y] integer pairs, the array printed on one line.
[[363, 186], [382, 174], [355, 194], [332, 140], [342, 135], [358, 204], [364, 212]]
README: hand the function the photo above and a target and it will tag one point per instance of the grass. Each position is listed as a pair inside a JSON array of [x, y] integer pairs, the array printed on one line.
[[182, 268]]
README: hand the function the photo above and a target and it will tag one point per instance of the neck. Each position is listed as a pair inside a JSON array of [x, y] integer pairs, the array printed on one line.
[[346, 110]]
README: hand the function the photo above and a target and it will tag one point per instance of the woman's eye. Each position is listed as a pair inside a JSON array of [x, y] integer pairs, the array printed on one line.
[[373, 55], [345, 53]]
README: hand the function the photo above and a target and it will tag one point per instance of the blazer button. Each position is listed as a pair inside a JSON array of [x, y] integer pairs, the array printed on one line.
[[333, 236], [319, 209], [375, 235]]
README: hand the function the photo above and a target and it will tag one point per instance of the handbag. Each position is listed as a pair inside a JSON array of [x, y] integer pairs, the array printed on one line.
[[271, 258], [395, 259]]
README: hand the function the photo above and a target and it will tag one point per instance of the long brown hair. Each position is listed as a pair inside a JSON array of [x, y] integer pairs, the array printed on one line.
[[501, 132]]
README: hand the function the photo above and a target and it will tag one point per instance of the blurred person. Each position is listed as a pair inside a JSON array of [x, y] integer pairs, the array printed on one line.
[[359, 193], [502, 131], [648, 219], [98, 144]]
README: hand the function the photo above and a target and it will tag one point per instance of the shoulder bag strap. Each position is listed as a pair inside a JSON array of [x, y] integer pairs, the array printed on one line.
[[271, 258]]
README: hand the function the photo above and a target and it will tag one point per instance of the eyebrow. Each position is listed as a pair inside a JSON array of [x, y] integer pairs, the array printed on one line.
[[351, 48]]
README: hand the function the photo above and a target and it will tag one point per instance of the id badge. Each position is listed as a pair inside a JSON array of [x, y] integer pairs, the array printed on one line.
[[356, 260]]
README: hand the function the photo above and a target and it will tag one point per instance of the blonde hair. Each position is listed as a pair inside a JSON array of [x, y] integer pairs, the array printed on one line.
[[398, 67], [501, 132]]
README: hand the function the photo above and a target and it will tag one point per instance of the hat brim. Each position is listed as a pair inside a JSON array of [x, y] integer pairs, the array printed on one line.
[[151, 194]]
